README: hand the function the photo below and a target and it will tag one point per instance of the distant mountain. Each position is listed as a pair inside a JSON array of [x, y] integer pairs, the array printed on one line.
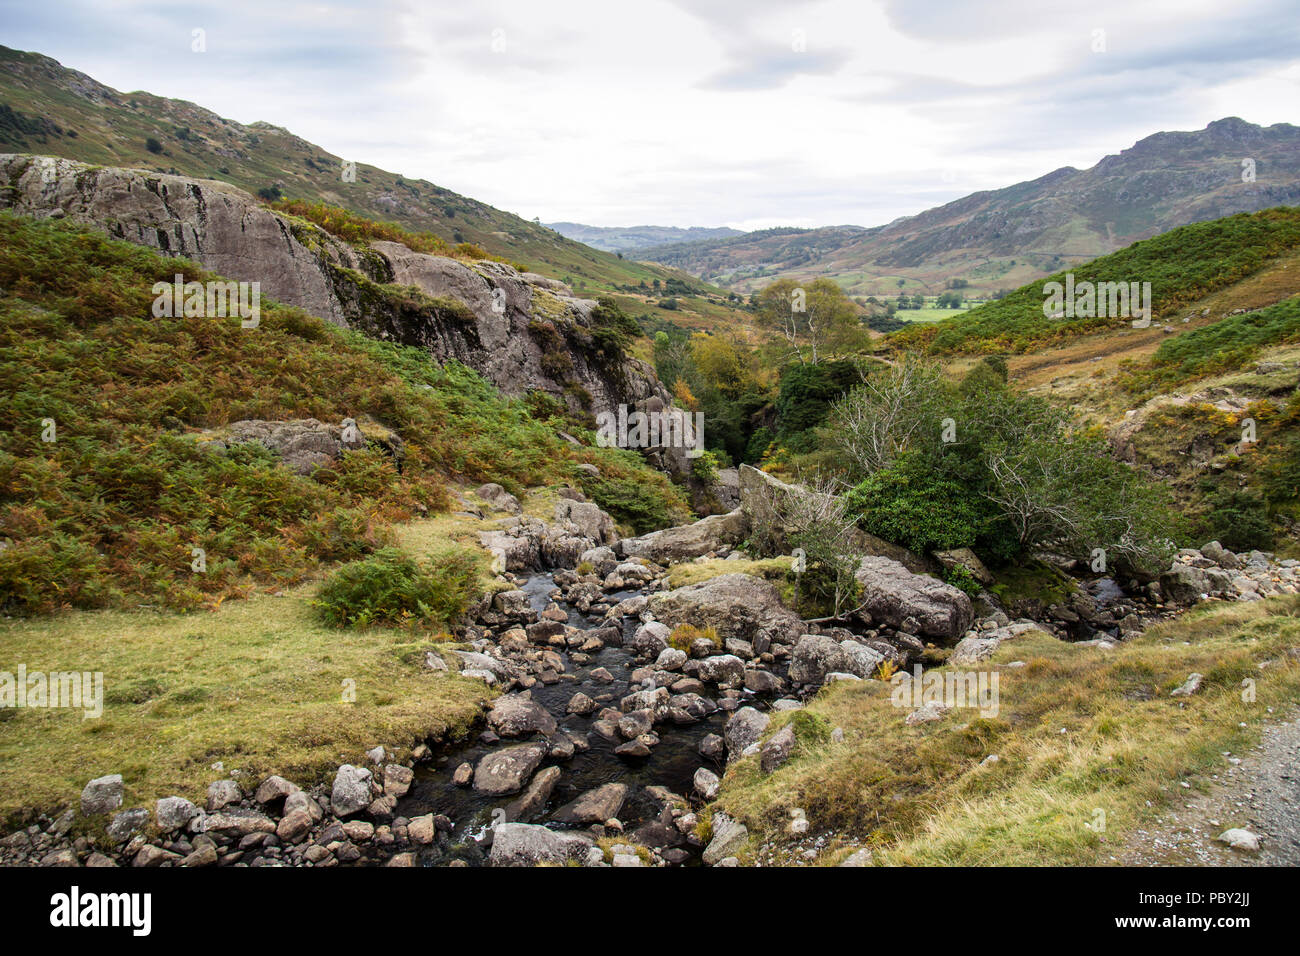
[[1004, 238], [627, 238], [48, 109]]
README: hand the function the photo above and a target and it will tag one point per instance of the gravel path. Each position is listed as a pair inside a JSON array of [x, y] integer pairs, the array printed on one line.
[[1260, 794]]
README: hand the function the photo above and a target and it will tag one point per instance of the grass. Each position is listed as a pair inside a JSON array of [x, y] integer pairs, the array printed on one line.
[[257, 685], [697, 572], [1079, 730]]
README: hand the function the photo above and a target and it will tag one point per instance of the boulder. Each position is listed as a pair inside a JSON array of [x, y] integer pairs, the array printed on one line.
[[174, 813], [102, 795], [498, 498], [735, 605], [894, 595], [524, 844], [222, 793], [1184, 584], [518, 715], [744, 728], [509, 769], [591, 522], [729, 837], [531, 802], [777, 750], [686, 542], [964, 558], [594, 806], [351, 792]]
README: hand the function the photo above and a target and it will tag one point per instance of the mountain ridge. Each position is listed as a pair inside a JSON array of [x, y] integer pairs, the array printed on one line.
[[1003, 238]]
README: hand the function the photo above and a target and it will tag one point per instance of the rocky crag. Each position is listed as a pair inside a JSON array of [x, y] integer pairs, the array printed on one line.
[[522, 331]]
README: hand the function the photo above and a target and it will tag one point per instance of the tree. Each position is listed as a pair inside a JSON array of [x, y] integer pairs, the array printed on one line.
[[153, 145], [811, 316], [886, 414]]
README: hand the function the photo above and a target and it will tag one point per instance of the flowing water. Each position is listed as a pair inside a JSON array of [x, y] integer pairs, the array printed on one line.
[[671, 764]]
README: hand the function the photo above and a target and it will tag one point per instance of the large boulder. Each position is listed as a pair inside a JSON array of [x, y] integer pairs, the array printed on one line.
[[525, 844], [594, 806], [915, 603], [735, 605], [685, 542], [518, 715], [1184, 584], [102, 795], [590, 521], [744, 729], [816, 655], [509, 769], [351, 792]]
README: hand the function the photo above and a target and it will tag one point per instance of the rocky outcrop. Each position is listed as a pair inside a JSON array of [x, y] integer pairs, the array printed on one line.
[[735, 605], [915, 603], [522, 332], [685, 542]]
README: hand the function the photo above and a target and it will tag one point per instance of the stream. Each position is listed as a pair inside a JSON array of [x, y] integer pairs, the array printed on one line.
[[671, 764]]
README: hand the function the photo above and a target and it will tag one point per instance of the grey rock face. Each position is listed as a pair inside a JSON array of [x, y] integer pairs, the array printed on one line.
[[486, 315], [735, 605], [685, 542], [893, 594]]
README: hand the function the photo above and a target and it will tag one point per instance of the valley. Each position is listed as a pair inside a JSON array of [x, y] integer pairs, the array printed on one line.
[[371, 580]]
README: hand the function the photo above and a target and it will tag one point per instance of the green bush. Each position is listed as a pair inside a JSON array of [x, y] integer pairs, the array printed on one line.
[[630, 501], [392, 588], [922, 512], [1238, 520]]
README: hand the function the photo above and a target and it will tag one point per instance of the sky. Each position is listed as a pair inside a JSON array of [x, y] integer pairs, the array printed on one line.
[[746, 114]]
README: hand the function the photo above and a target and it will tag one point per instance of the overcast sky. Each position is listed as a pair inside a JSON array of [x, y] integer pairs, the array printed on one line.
[[748, 114]]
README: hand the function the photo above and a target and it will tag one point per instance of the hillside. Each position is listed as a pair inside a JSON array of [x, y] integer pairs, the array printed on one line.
[[103, 510], [1000, 239], [1205, 399], [48, 109], [631, 238]]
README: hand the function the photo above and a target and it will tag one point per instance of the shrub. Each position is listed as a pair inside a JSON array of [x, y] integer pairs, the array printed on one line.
[[392, 588], [1238, 520], [922, 512], [343, 535], [630, 501]]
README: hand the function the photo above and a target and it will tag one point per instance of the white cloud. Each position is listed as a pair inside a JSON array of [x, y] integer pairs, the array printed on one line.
[[745, 113]]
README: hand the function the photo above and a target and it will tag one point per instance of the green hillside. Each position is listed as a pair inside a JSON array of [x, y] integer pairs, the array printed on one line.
[[105, 488], [1182, 265]]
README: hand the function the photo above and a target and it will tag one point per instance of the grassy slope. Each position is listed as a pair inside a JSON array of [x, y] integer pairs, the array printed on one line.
[[107, 513], [1183, 266], [923, 795]]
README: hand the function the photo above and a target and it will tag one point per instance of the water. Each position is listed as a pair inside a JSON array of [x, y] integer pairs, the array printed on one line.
[[671, 764]]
